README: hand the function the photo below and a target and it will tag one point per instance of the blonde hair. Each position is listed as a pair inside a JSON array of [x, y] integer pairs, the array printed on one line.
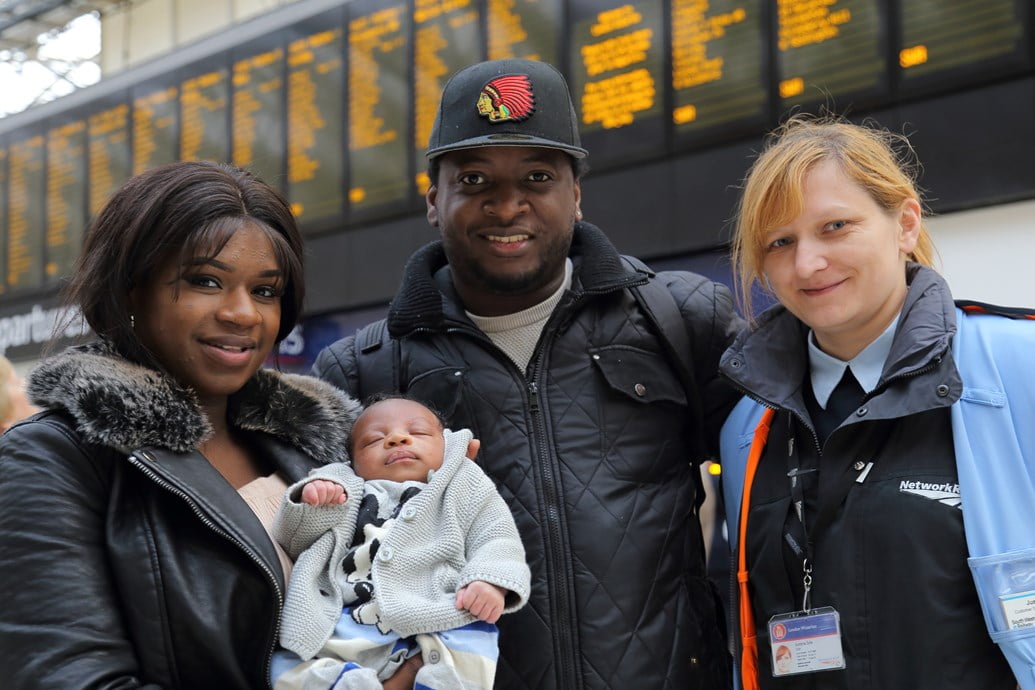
[[881, 162]]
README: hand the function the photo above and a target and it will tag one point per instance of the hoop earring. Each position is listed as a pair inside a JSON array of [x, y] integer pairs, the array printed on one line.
[[132, 322]]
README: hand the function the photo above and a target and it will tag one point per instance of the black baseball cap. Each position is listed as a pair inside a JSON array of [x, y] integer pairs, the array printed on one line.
[[512, 102]]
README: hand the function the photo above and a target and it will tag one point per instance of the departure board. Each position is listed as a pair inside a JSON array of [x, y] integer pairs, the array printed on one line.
[[3, 212], [107, 133], [718, 64], [378, 110], [204, 115], [316, 124], [617, 77], [951, 35], [155, 126], [830, 50], [257, 139], [66, 196], [524, 29], [26, 191], [446, 37]]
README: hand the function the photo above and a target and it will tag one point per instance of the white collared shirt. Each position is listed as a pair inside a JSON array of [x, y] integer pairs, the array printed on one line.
[[826, 371]]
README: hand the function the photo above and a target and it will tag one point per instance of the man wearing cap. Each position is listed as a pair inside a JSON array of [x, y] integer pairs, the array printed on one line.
[[522, 323]]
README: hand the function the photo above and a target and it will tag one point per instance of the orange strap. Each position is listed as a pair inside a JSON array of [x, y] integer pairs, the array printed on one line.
[[749, 655]]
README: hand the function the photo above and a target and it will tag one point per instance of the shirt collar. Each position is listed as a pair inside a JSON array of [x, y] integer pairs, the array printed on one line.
[[826, 371]]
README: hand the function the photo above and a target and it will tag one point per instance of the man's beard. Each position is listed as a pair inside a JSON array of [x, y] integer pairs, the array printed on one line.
[[510, 285]]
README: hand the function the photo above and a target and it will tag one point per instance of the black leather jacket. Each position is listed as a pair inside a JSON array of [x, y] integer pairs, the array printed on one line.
[[127, 560], [591, 449]]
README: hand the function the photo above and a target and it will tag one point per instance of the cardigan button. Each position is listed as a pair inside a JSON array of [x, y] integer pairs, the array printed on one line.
[[433, 656], [408, 513], [385, 554], [942, 390], [641, 390]]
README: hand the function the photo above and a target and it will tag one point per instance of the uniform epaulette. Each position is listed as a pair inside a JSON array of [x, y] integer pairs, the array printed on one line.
[[972, 307]]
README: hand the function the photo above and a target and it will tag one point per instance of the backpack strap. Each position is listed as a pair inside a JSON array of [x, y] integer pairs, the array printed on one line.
[[378, 360], [658, 304]]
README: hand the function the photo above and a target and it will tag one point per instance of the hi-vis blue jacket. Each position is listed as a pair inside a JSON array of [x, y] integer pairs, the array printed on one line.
[[993, 426]]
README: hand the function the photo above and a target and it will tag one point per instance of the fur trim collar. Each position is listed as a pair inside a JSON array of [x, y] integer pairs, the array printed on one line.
[[124, 405]]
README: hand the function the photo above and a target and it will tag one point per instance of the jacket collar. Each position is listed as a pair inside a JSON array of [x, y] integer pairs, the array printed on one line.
[[117, 403], [770, 360], [426, 299]]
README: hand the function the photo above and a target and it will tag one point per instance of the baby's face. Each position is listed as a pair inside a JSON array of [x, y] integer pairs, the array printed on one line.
[[396, 439]]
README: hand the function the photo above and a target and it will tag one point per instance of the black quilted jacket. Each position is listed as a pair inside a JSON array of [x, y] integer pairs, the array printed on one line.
[[590, 448]]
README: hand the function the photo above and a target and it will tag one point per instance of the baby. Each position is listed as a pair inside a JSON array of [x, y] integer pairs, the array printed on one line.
[[410, 550]]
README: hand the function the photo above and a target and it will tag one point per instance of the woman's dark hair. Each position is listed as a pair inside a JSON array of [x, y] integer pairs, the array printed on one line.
[[183, 209]]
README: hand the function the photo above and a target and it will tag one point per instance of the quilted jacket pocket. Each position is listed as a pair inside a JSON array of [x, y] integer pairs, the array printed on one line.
[[642, 376]]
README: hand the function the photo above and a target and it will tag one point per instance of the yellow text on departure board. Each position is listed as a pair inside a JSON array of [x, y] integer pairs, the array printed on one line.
[[692, 31], [64, 156], [380, 32], [26, 165], [625, 85], [505, 29], [804, 22], [197, 99], [912, 56], [615, 20], [430, 67], [108, 130], [152, 114], [426, 10], [247, 103]]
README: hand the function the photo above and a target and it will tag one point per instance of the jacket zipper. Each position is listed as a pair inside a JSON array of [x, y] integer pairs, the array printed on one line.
[[561, 611], [553, 502], [137, 459]]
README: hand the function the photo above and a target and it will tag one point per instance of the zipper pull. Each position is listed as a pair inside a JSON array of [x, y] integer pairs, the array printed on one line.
[[533, 396]]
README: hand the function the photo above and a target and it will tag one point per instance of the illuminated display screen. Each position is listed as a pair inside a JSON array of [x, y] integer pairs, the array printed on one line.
[[617, 80], [204, 109], [944, 35], [66, 196], [25, 194], [257, 103], [378, 97], [446, 34], [155, 127], [717, 63], [316, 125], [336, 109], [107, 135], [829, 50], [523, 29]]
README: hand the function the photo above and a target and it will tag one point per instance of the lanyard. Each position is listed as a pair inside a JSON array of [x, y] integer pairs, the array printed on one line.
[[830, 501]]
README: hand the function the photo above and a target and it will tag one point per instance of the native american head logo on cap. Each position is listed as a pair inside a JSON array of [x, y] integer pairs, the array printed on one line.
[[508, 97]]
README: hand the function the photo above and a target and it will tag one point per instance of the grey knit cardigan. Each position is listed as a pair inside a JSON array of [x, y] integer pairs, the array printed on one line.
[[455, 531]]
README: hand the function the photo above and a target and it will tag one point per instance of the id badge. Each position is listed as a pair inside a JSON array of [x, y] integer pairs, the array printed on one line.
[[806, 642], [1019, 609]]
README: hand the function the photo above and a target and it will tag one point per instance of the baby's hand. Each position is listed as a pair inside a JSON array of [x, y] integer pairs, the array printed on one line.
[[483, 600], [322, 492]]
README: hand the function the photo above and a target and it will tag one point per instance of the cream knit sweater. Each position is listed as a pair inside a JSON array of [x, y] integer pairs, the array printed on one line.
[[421, 562]]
